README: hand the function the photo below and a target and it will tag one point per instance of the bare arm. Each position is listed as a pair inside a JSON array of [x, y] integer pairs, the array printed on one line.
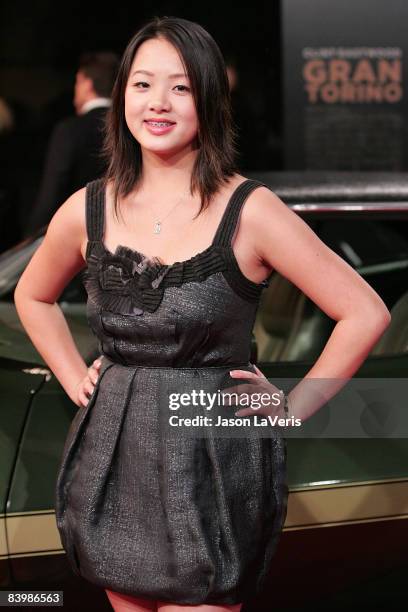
[[53, 265], [287, 244]]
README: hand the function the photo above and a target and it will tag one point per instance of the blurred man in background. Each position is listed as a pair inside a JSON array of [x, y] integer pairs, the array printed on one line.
[[74, 151]]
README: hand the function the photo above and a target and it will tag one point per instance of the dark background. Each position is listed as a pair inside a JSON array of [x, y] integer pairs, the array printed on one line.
[[40, 43]]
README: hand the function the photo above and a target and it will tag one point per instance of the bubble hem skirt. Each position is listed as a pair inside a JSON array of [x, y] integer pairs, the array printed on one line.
[[188, 521]]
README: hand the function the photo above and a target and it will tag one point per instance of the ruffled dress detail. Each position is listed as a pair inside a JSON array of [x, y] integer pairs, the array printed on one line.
[[131, 283]]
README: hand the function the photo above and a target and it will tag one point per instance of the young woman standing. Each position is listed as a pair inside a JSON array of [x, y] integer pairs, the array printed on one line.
[[173, 285]]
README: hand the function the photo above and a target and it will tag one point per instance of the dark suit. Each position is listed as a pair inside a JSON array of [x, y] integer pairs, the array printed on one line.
[[71, 162]]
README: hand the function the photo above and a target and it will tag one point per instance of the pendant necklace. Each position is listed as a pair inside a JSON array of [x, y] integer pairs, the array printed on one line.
[[158, 222]]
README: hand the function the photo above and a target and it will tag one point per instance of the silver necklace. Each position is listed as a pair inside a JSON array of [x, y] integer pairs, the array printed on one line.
[[158, 222]]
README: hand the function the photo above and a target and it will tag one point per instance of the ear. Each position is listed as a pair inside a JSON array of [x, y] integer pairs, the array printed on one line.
[[89, 85]]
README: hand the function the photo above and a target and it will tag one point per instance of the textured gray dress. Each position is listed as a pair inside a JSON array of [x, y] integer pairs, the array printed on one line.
[[190, 520]]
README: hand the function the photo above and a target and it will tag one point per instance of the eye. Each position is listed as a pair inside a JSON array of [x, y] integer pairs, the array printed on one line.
[[184, 87], [141, 83]]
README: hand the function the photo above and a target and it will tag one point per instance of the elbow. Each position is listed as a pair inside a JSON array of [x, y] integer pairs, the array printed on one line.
[[18, 295], [17, 299], [377, 318], [372, 316], [382, 313], [18, 288], [21, 290], [374, 313], [22, 296]]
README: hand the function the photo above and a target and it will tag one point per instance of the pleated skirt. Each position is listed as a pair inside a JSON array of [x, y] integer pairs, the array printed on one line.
[[189, 520]]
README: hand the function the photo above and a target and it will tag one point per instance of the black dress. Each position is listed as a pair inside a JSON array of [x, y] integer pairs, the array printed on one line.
[[183, 519]]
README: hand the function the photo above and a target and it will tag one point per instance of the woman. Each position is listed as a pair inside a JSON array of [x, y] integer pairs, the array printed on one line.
[[173, 287]]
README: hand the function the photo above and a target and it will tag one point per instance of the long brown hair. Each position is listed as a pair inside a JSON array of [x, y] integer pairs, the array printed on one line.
[[205, 67]]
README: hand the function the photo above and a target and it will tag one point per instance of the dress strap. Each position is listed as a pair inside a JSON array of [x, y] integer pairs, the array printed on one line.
[[95, 210], [226, 228]]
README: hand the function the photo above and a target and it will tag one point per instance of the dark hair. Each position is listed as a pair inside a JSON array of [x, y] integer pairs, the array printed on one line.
[[102, 68], [205, 67]]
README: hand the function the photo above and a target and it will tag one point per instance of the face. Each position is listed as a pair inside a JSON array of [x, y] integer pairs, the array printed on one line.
[[154, 93], [82, 90]]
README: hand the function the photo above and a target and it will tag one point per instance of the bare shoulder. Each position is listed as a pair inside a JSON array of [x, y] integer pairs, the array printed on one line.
[[58, 258], [262, 206], [262, 198], [266, 209], [69, 223], [72, 211]]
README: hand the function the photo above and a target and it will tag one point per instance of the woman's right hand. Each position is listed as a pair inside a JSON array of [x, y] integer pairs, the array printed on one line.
[[86, 385]]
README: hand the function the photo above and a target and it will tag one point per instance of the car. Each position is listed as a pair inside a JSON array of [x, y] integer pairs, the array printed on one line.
[[346, 530], [345, 535]]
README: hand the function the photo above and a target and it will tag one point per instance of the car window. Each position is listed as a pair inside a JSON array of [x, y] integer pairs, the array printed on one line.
[[290, 327]]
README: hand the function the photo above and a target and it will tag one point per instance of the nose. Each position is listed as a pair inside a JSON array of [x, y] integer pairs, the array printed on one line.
[[159, 100]]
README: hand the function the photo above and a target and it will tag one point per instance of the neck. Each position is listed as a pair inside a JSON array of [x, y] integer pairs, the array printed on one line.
[[170, 174], [85, 103]]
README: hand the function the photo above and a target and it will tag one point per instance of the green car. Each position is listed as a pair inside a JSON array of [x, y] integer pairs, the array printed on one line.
[[346, 532]]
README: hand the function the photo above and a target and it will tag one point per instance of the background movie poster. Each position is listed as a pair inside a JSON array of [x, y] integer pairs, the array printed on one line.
[[343, 74]]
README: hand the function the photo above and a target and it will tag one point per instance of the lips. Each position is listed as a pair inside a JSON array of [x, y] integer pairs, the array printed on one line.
[[158, 127], [165, 121]]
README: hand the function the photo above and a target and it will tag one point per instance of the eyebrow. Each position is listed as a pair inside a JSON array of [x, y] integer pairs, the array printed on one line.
[[172, 76]]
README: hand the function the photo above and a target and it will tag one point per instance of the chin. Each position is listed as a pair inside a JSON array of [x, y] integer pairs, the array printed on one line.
[[164, 153], [166, 150]]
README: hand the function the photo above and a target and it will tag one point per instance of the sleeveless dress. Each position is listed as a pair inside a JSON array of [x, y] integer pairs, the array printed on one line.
[[193, 520]]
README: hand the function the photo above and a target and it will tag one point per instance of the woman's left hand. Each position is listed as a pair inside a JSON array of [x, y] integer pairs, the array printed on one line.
[[259, 384]]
